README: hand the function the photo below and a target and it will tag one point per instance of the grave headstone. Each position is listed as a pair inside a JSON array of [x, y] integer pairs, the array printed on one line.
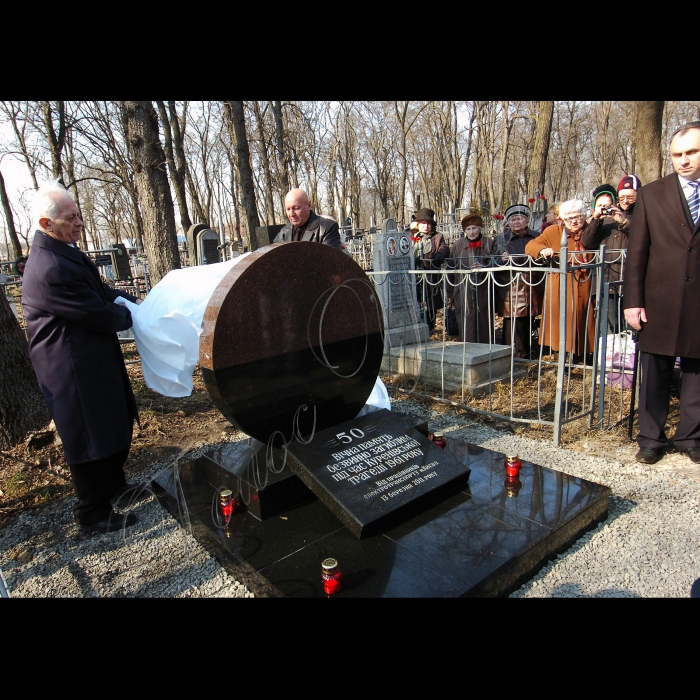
[[191, 237], [264, 338], [292, 340], [121, 260], [393, 253], [264, 235], [208, 251]]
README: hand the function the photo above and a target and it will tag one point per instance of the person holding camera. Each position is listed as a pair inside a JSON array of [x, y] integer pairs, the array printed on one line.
[[609, 225]]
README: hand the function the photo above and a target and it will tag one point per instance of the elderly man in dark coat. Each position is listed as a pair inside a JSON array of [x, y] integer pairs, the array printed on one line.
[[72, 321], [662, 298], [304, 224]]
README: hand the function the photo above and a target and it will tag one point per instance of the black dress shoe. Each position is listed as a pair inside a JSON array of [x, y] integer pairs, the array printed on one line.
[[694, 454], [650, 455], [115, 522]]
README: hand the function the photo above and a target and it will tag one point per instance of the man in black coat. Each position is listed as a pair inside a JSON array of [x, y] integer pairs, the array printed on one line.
[[72, 322], [304, 224], [662, 298]]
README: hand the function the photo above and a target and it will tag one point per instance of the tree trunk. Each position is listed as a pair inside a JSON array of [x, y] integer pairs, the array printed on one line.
[[152, 188], [267, 171], [281, 151], [16, 247], [177, 174], [22, 406], [70, 168], [178, 130], [56, 139], [538, 164], [245, 173], [647, 140]]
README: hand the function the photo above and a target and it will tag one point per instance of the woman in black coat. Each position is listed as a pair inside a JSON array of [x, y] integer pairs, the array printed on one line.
[[431, 250]]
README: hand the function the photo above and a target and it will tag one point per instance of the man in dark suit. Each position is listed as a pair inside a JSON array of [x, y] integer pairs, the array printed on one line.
[[72, 324], [662, 298], [304, 224]]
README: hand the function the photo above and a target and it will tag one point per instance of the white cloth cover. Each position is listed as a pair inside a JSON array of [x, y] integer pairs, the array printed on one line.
[[168, 323]]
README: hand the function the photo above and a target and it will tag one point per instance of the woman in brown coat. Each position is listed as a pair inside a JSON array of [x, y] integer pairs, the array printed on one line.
[[579, 317]]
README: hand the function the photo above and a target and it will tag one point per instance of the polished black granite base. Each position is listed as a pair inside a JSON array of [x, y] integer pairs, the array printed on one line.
[[486, 540]]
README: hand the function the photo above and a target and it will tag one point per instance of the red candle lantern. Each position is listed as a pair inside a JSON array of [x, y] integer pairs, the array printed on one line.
[[439, 440], [227, 504], [513, 465], [331, 576]]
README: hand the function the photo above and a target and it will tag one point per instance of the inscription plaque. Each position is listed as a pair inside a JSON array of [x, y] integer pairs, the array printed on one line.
[[374, 470]]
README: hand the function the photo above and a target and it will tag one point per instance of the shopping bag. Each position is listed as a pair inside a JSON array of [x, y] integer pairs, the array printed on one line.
[[619, 359]]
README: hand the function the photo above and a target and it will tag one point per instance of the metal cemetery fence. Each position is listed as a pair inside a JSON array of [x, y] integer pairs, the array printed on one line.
[[563, 377]]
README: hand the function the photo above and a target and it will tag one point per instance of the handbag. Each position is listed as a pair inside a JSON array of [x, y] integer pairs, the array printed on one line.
[[619, 359]]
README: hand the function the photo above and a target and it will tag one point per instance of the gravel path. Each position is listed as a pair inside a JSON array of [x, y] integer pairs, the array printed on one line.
[[648, 547]]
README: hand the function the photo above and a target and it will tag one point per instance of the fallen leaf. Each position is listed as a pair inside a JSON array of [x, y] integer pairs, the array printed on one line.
[[283, 517]]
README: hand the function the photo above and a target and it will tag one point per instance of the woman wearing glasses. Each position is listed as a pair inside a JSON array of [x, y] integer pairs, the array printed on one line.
[[579, 318]]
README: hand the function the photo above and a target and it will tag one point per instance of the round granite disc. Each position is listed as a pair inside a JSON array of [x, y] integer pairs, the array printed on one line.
[[292, 340]]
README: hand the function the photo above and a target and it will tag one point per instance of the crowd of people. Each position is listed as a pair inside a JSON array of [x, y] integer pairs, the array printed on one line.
[[526, 298]]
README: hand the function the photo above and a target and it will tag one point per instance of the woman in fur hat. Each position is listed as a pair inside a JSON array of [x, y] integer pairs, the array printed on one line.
[[432, 250], [472, 294], [520, 292]]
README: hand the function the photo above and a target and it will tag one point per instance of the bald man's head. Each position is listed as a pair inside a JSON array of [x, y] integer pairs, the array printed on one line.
[[297, 206]]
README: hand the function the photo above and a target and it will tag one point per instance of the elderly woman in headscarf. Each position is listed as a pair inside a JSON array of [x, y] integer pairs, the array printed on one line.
[[431, 250], [520, 293], [579, 317], [474, 306]]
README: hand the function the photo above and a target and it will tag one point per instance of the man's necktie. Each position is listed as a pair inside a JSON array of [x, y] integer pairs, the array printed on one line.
[[694, 201]]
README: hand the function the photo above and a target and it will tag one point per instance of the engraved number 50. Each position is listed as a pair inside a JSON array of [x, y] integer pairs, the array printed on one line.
[[355, 432]]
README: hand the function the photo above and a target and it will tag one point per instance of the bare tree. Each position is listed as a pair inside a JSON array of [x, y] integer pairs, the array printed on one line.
[[236, 114], [10, 219], [538, 164], [281, 149], [177, 170], [155, 202]]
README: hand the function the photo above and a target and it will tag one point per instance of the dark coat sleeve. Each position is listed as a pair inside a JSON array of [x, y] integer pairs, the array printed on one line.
[[329, 233], [70, 296], [637, 257]]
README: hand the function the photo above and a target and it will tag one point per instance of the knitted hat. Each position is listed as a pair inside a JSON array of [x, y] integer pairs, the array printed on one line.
[[518, 209], [472, 220], [425, 215], [601, 190], [629, 182]]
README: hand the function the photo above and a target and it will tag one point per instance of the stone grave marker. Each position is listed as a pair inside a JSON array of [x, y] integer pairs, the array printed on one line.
[[299, 325], [377, 469], [292, 340], [393, 253], [301, 377]]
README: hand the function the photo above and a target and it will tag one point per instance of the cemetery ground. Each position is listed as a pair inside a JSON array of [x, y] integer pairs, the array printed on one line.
[[647, 547]]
